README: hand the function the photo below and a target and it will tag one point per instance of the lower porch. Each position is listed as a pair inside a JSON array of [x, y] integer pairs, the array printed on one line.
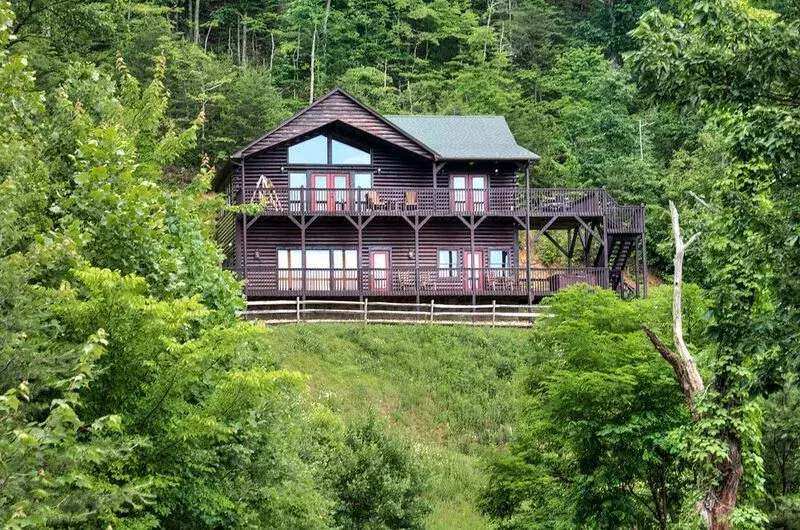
[[263, 282]]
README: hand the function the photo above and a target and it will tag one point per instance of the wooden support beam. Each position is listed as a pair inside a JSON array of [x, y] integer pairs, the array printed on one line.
[[528, 232], [557, 244], [547, 225], [572, 237], [588, 228]]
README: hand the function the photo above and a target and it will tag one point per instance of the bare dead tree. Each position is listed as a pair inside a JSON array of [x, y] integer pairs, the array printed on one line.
[[720, 499], [313, 65]]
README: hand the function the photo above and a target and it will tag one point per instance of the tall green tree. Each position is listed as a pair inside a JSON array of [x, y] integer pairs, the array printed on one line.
[[596, 445], [727, 60]]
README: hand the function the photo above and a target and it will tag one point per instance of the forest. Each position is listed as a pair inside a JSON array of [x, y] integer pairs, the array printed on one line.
[[132, 397]]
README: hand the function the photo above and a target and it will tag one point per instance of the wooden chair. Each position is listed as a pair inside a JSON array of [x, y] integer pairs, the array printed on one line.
[[406, 280], [411, 200], [374, 200]]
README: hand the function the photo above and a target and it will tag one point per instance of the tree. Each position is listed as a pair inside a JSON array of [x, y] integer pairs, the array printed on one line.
[[595, 442], [726, 60]]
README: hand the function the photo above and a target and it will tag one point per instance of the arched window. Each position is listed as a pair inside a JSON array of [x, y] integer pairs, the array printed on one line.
[[323, 150]]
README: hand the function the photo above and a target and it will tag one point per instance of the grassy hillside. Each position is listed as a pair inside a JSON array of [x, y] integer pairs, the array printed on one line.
[[447, 389]]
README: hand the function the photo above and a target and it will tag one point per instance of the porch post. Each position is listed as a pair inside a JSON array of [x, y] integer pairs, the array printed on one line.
[[528, 231], [303, 251], [605, 252], [360, 229], [472, 273], [636, 263], [244, 234], [416, 257], [644, 255]]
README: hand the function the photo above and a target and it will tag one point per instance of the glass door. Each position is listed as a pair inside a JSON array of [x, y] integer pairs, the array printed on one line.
[[345, 270], [330, 191], [339, 191], [318, 270], [319, 183], [459, 191], [473, 263], [379, 270], [468, 193]]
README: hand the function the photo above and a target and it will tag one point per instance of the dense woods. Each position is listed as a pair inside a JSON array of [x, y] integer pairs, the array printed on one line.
[[132, 397]]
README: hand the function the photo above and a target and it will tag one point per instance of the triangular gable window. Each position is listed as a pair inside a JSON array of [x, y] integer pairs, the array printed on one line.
[[347, 155], [311, 151], [323, 150]]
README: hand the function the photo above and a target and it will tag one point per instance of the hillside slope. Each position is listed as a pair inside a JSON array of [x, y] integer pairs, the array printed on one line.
[[446, 389]]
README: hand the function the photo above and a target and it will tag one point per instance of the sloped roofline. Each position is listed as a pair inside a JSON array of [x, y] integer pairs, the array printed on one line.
[[240, 154]]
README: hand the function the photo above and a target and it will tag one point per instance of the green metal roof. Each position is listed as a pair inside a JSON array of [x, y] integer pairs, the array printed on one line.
[[464, 137]]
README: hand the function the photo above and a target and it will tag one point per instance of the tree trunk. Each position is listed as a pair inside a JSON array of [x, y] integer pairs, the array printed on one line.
[[720, 500], [197, 22], [313, 65]]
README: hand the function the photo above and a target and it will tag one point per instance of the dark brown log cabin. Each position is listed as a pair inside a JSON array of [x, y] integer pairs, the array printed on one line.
[[350, 204]]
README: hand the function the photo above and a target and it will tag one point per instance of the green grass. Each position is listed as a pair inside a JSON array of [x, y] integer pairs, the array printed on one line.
[[446, 389]]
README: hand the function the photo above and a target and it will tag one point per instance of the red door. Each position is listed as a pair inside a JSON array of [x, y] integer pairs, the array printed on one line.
[[468, 193], [379, 270], [473, 270], [330, 192]]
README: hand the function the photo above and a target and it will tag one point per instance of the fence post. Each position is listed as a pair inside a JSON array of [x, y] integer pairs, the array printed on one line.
[[494, 307], [298, 309], [431, 310], [366, 306]]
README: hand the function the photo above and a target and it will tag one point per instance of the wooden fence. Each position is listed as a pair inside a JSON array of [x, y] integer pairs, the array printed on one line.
[[298, 310]]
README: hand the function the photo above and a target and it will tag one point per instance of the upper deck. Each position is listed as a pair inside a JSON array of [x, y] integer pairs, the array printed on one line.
[[593, 203]]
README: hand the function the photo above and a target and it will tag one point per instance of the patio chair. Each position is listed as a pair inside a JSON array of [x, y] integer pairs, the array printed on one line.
[[411, 200], [374, 200]]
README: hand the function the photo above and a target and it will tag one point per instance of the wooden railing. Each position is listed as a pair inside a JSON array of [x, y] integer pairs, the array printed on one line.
[[544, 202], [408, 281], [374, 312]]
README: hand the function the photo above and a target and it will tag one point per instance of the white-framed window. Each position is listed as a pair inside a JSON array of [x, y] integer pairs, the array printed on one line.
[[448, 263]]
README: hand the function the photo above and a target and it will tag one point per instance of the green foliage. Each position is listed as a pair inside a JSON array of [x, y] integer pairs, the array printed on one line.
[[130, 396], [375, 478], [596, 443], [447, 389]]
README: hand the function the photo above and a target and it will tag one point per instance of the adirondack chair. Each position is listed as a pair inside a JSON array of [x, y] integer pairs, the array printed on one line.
[[411, 200], [374, 200]]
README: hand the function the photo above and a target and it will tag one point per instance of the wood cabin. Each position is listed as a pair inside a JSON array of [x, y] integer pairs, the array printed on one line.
[[355, 204]]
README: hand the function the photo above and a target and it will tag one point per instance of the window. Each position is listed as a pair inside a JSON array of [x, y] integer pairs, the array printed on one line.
[[326, 269], [297, 183], [311, 151], [362, 182], [499, 262], [499, 259], [323, 150], [290, 274], [347, 155], [448, 263]]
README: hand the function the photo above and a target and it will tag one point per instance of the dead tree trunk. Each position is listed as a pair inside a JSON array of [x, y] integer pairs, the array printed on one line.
[[197, 22], [720, 500], [313, 65]]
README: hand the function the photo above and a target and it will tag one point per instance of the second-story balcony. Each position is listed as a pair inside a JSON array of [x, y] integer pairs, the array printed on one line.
[[430, 201]]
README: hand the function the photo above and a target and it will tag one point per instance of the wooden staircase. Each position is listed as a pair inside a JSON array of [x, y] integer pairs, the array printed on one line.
[[620, 248]]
